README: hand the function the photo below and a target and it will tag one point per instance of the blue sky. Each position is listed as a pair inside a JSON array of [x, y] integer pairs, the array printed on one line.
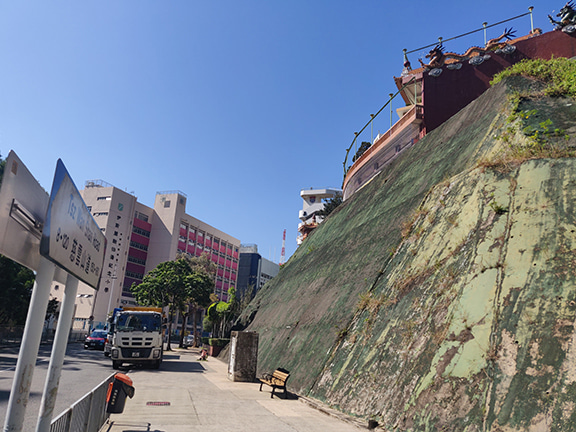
[[239, 104]]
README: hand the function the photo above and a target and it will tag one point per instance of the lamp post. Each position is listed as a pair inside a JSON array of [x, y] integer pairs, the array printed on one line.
[[391, 96], [530, 9], [113, 277], [371, 129]]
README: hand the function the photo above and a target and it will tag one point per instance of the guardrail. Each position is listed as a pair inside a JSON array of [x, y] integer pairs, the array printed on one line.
[[11, 336], [372, 117], [86, 415]]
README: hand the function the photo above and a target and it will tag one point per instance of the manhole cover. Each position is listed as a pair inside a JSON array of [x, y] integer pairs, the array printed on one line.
[[158, 403]]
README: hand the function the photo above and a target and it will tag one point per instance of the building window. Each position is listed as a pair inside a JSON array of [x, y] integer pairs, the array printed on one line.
[[104, 198], [141, 232], [141, 216], [166, 203], [133, 275], [136, 260], [137, 245]]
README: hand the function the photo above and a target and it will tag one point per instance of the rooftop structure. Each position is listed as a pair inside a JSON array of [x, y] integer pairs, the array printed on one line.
[[443, 86]]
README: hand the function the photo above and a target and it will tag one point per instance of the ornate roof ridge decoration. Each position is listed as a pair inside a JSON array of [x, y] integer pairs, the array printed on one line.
[[438, 57], [452, 59], [567, 15]]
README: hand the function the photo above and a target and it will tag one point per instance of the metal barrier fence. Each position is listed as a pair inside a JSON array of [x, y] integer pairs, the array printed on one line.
[[86, 415], [11, 336]]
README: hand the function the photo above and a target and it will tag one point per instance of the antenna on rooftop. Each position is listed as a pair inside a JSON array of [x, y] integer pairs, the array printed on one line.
[[283, 254]]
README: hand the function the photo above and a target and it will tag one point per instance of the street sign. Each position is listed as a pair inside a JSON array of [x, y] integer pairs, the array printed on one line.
[[23, 204], [70, 237]]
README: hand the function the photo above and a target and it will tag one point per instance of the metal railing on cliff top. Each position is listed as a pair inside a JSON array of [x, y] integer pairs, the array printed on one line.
[[485, 26]]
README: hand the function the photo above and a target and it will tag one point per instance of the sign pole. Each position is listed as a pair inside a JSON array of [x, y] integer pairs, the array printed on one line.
[[57, 357], [29, 349]]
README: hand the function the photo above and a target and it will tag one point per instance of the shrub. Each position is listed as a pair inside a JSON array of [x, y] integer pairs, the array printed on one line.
[[558, 73], [217, 342]]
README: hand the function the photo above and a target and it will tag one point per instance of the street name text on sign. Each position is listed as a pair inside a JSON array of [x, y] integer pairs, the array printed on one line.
[[71, 238]]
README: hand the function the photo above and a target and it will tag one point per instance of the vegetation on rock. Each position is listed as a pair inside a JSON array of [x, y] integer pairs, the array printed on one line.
[[529, 132], [559, 75]]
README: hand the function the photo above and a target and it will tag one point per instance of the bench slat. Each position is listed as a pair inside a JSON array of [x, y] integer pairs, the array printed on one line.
[[276, 380]]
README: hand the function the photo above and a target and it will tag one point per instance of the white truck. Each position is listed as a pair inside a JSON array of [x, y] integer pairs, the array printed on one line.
[[135, 336]]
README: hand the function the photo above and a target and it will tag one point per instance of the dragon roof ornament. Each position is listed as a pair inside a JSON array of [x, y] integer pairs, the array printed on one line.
[[567, 15], [438, 57]]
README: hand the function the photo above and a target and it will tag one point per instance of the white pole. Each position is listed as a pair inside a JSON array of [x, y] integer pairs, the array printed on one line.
[[391, 96], [57, 358], [112, 291], [29, 347]]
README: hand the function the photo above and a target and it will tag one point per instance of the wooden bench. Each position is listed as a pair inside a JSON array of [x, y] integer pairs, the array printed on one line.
[[276, 380]]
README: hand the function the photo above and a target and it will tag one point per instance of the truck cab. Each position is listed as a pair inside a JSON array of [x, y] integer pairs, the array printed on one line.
[[135, 337]]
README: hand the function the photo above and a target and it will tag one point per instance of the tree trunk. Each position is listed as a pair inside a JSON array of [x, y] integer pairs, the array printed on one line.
[[194, 326], [170, 318], [184, 325]]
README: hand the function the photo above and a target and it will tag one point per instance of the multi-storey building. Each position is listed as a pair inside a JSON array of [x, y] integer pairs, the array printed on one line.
[[313, 202], [254, 272], [138, 239]]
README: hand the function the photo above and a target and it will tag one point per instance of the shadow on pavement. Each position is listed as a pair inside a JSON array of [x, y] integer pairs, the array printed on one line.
[[4, 395], [169, 366]]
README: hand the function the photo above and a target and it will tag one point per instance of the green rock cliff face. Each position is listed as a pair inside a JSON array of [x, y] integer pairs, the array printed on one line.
[[441, 296]]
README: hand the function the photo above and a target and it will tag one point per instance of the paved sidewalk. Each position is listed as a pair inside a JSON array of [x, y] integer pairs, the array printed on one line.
[[187, 395]]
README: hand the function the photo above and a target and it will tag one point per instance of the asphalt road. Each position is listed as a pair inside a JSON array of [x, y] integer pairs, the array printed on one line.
[[83, 370]]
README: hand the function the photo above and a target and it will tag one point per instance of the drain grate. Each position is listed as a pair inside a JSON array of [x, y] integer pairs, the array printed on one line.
[[158, 403]]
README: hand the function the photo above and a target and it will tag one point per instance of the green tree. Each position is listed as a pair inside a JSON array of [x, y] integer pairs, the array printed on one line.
[[363, 147], [222, 314], [173, 284], [330, 205], [16, 284], [201, 264]]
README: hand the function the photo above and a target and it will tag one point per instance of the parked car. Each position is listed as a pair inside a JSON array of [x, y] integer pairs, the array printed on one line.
[[189, 341], [96, 340]]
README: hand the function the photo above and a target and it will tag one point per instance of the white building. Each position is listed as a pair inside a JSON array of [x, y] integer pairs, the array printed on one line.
[[314, 201]]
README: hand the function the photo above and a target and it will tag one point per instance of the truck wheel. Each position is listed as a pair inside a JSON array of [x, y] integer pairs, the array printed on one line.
[[116, 364]]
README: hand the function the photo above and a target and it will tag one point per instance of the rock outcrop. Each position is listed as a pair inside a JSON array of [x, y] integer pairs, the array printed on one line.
[[442, 296]]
